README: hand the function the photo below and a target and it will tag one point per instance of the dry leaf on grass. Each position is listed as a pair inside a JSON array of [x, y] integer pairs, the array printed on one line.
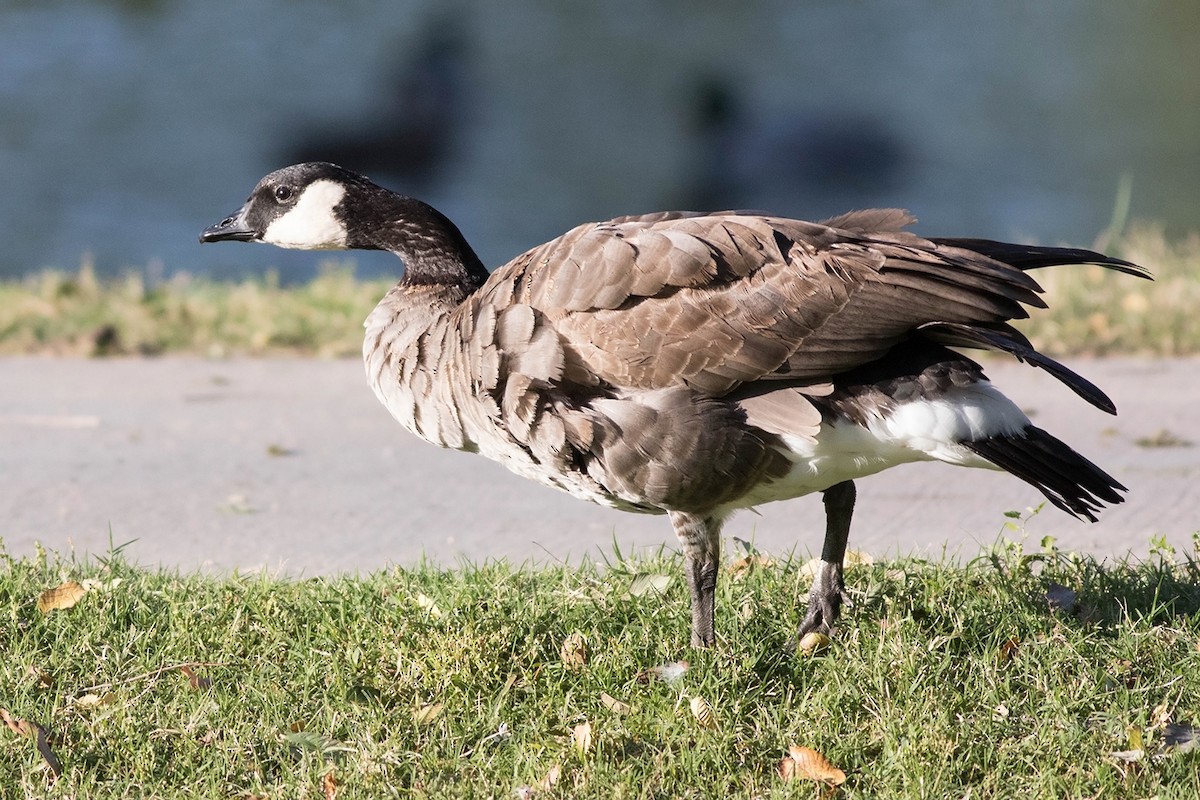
[[574, 651], [329, 786], [807, 764], [853, 558], [427, 713], [1008, 650], [34, 730], [18, 726], [813, 642], [647, 583], [43, 678], [703, 713], [547, 783], [613, 704], [61, 597], [428, 605], [195, 681], [581, 735], [746, 564], [92, 700]]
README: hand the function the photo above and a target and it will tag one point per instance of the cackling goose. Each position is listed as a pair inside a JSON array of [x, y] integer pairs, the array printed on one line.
[[697, 364]]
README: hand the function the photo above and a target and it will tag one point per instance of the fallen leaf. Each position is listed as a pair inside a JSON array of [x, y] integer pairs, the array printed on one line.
[[547, 783], [329, 786], [427, 713], [60, 597], [91, 584], [1008, 650], [428, 605], [574, 651], [1061, 598], [194, 680], [613, 704], [747, 609], [669, 673], [44, 679], [1134, 734], [279, 451], [581, 734], [315, 742], [1160, 717], [92, 700], [703, 713], [18, 726], [34, 730], [747, 564], [853, 558], [808, 764], [813, 642], [645, 583]]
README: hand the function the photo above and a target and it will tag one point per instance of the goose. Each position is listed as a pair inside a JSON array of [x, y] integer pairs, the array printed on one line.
[[696, 364]]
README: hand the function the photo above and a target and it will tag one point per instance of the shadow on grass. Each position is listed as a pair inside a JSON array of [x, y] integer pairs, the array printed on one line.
[[1099, 593]]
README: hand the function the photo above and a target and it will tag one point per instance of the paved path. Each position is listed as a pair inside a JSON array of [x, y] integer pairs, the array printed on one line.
[[292, 465]]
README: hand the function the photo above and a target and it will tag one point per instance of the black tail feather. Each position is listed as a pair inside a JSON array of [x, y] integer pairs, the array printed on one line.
[[1068, 480], [1027, 256], [1007, 339]]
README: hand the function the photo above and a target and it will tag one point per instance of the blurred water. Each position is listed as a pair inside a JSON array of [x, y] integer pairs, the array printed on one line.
[[126, 127]]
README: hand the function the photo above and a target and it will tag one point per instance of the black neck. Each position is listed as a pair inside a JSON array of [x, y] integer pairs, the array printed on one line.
[[432, 247]]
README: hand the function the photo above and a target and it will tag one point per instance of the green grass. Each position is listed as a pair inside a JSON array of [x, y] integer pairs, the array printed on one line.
[[1092, 311], [944, 681]]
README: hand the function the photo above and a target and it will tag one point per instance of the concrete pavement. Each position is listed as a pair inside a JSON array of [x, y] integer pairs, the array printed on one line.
[[291, 465]]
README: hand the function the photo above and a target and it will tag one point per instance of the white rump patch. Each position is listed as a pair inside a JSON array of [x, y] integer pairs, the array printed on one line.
[[920, 430], [963, 414], [311, 224]]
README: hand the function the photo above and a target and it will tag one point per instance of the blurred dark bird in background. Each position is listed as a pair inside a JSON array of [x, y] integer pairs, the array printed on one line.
[[411, 135]]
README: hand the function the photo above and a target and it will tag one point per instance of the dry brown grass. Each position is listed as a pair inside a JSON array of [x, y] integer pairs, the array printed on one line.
[[1092, 311]]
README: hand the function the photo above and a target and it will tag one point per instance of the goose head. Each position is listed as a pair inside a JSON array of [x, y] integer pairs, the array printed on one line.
[[321, 206], [304, 207]]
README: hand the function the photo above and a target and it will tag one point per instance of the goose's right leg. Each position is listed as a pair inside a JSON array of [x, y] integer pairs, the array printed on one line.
[[828, 592]]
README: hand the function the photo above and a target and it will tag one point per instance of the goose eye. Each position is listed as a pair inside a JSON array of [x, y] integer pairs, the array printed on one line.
[[283, 193]]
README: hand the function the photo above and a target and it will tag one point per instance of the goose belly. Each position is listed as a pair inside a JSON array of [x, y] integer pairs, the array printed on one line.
[[555, 471]]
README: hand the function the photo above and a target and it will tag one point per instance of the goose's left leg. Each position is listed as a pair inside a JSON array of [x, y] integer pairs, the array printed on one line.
[[828, 591]]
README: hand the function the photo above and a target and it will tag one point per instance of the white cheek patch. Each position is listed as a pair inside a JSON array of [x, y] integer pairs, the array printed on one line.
[[311, 224]]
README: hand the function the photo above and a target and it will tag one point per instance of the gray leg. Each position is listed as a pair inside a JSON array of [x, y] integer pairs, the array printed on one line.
[[828, 592], [700, 538]]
